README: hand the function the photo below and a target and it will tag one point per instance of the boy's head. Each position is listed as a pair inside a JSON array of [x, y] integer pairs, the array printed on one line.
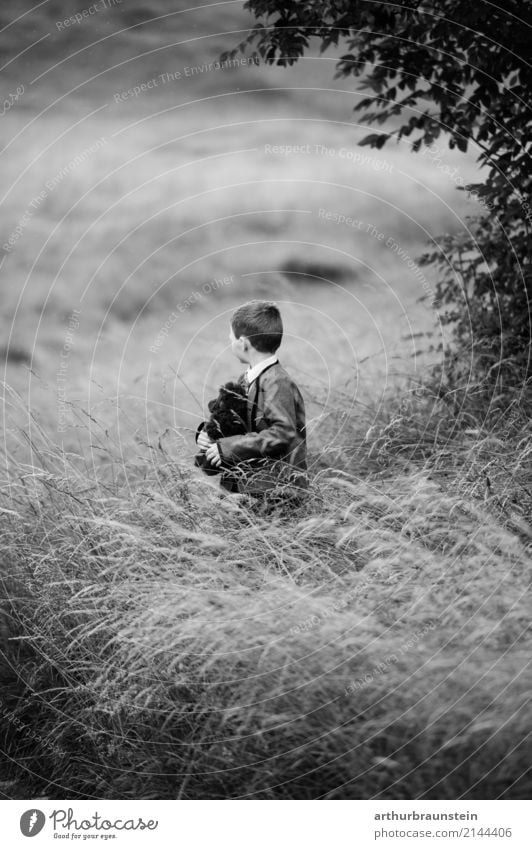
[[256, 328]]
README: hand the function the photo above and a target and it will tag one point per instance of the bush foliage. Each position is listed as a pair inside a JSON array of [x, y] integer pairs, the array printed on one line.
[[462, 69]]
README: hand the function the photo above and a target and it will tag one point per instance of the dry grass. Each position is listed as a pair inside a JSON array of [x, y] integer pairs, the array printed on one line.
[[169, 641]]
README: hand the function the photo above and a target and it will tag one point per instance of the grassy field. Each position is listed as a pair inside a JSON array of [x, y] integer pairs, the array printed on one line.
[[165, 641], [160, 640]]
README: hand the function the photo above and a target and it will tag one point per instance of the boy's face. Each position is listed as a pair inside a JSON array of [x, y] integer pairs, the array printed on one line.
[[239, 347]]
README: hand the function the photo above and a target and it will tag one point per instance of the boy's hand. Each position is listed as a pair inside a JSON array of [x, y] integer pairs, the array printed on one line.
[[213, 455], [203, 440]]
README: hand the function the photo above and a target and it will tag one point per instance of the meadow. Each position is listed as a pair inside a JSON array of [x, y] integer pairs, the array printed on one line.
[[159, 639]]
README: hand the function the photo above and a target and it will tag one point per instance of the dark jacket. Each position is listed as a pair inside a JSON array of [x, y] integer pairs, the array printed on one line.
[[274, 451]]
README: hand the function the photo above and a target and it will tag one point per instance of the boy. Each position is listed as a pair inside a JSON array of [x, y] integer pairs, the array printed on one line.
[[273, 452]]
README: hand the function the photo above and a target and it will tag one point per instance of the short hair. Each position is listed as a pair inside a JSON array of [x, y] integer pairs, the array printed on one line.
[[261, 322]]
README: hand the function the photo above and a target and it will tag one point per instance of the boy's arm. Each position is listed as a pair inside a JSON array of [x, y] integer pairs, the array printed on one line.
[[274, 440]]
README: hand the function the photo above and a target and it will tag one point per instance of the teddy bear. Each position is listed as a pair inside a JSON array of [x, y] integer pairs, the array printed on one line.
[[228, 414]]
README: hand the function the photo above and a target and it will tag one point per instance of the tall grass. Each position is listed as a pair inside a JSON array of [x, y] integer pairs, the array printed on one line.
[[166, 640]]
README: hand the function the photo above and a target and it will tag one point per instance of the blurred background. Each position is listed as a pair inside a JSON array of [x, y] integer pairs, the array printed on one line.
[[149, 189]]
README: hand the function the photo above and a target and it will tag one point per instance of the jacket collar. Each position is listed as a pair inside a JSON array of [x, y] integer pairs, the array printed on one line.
[[252, 373]]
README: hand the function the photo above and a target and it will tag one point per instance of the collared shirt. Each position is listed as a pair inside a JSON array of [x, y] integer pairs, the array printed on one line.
[[253, 372]]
